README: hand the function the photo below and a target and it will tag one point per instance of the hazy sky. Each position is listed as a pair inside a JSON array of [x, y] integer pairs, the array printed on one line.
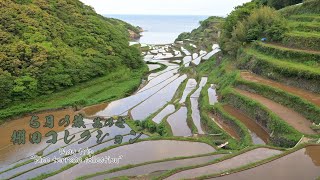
[[165, 7]]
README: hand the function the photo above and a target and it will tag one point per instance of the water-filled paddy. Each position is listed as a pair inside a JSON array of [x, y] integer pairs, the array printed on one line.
[[258, 134], [178, 123], [212, 94], [121, 106], [237, 161], [166, 111], [10, 153], [191, 85], [139, 153], [302, 164], [158, 100], [161, 166]]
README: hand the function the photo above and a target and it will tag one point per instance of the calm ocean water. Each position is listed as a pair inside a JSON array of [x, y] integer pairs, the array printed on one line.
[[161, 29]]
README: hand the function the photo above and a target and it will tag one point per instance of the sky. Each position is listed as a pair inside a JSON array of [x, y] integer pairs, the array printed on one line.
[[165, 7]]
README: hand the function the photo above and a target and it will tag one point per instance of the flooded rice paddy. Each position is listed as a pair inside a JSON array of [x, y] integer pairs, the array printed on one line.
[[158, 100], [163, 113], [215, 50], [178, 123], [191, 85], [139, 153], [302, 164], [10, 153], [153, 66], [154, 96], [194, 98], [212, 94], [187, 60], [161, 166], [237, 161], [258, 134], [293, 118]]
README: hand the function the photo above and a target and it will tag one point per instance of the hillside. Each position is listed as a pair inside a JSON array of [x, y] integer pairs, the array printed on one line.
[[205, 34], [48, 46], [247, 109], [270, 69], [274, 82]]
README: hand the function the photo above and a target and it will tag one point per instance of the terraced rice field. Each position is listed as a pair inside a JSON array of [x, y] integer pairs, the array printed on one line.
[[305, 162], [238, 161], [139, 153], [159, 89], [177, 107]]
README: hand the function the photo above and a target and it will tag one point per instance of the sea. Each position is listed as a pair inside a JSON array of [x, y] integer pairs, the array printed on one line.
[[161, 29]]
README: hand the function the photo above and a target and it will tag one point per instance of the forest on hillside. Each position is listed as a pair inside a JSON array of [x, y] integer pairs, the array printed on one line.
[[47, 46]]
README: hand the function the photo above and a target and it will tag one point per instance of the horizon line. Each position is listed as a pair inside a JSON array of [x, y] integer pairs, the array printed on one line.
[[166, 15]]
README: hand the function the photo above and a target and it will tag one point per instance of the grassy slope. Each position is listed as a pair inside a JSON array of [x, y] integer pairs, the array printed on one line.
[[285, 67], [107, 88]]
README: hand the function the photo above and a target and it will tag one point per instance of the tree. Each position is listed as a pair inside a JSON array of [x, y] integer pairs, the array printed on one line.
[[262, 22], [6, 86], [25, 87]]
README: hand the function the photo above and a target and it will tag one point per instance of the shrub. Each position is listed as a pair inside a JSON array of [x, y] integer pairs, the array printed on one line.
[[231, 22], [183, 36], [262, 22]]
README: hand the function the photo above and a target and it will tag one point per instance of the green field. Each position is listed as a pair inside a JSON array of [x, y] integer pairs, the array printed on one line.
[[116, 85]]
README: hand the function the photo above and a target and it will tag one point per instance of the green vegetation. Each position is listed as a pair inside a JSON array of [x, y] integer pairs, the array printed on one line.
[[306, 18], [239, 14], [305, 26], [292, 69], [48, 47], [113, 86], [295, 55], [263, 22], [209, 68], [205, 34], [303, 40], [283, 135], [278, 4], [163, 128], [309, 7], [289, 56], [282, 70]]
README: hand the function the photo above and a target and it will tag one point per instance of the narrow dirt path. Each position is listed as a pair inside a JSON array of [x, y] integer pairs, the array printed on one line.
[[293, 118], [311, 97]]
